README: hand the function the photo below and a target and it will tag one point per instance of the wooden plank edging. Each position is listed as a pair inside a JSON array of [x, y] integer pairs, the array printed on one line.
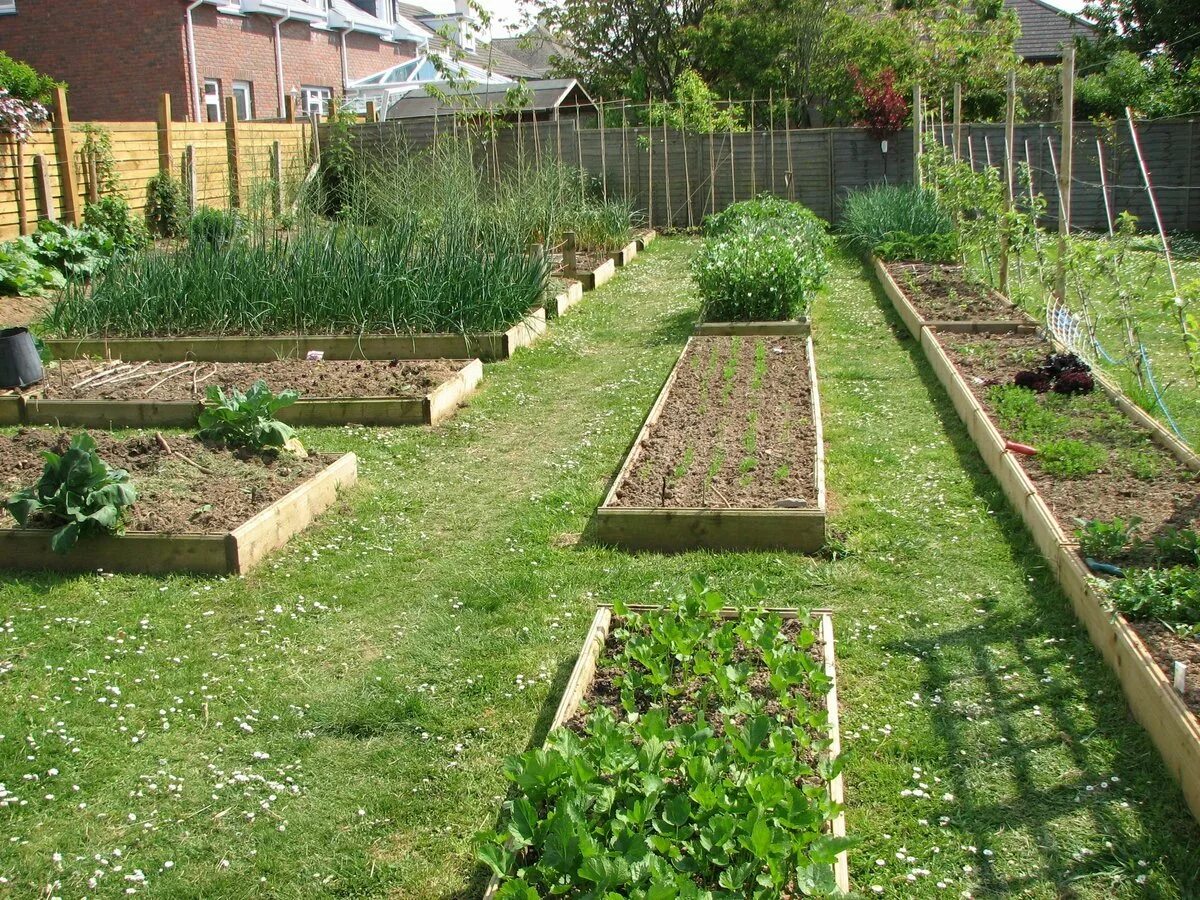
[[566, 298], [585, 670], [154, 553], [790, 327]]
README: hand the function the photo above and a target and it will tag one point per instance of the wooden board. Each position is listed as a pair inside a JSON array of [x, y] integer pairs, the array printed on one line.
[[233, 553], [585, 671], [437, 406], [10, 409], [645, 239], [914, 322], [791, 327], [598, 277], [566, 298], [625, 255], [488, 347], [675, 530]]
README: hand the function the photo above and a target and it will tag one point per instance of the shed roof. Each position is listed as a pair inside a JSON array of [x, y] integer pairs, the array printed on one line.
[[1046, 29]]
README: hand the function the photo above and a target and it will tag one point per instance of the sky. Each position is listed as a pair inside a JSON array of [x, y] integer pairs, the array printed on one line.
[[506, 13]]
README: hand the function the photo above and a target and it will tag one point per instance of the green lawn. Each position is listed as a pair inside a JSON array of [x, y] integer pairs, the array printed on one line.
[[335, 725]]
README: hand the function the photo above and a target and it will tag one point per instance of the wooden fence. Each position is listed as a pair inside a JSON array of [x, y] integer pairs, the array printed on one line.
[[677, 178], [49, 176]]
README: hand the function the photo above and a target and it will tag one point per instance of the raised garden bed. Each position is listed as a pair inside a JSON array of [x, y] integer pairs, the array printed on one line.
[[595, 685], [730, 457], [199, 508], [942, 295], [593, 270], [570, 293], [1137, 469], [645, 238], [626, 254], [252, 348], [365, 392], [794, 327]]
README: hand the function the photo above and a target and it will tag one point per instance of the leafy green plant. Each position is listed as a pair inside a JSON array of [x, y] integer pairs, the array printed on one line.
[[21, 273], [920, 247], [79, 492], [1171, 596], [78, 253], [1021, 416], [215, 227], [1071, 458], [113, 216], [166, 206], [766, 209], [247, 419], [705, 775], [1177, 546], [1106, 541], [96, 153], [24, 82], [878, 214]]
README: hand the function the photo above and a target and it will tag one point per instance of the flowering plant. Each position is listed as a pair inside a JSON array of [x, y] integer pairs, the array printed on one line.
[[18, 118]]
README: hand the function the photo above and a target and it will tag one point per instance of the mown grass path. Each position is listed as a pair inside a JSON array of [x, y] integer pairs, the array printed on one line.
[[335, 725]]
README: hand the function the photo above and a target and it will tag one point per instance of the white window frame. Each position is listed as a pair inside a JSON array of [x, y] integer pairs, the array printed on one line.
[[315, 99], [212, 88], [8, 7], [243, 95]]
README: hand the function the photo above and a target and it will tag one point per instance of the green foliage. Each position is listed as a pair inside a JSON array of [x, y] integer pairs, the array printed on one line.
[[1069, 458], [713, 762], [695, 108], [96, 151], [79, 492], [25, 83], [339, 165], [1106, 541], [767, 209], [246, 420], [879, 214], [78, 253], [1177, 546], [1022, 417], [113, 216], [214, 227], [921, 247], [22, 274], [1171, 596], [166, 206], [602, 225], [764, 271]]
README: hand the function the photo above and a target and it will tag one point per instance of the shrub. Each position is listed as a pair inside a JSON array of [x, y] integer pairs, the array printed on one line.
[[78, 491], [932, 248], [763, 209], [166, 206], [113, 216], [247, 420], [75, 252], [879, 214], [764, 273], [24, 82], [214, 227], [21, 273]]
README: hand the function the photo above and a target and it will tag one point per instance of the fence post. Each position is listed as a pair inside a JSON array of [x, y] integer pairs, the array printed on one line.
[[371, 116], [1064, 169], [277, 179], [569, 251], [1010, 121], [22, 199], [231, 150], [916, 117], [289, 109], [165, 154], [64, 146], [41, 177], [958, 121], [189, 175]]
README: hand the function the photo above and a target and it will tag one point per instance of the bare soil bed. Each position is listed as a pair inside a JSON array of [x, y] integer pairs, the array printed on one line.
[[1137, 478], [1166, 647], [23, 310], [736, 431], [95, 380], [585, 261], [174, 496], [943, 293]]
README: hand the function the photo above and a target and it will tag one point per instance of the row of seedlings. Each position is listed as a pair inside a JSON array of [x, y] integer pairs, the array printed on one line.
[[731, 455], [1110, 496]]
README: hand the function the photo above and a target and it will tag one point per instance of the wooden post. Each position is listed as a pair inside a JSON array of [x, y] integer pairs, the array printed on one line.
[[788, 179], [624, 151], [64, 147], [1064, 168], [231, 150], [832, 177], [771, 113], [189, 176], [712, 172], [289, 109], [92, 179], [753, 153], [650, 161], [371, 116], [164, 133], [958, 121], [687, 180], [667, 176], [1010, 124], [732, 160], [569, 261], [41, 177], [315, 123], [22, 199], [276, 178], [916, 117], [603, 155]]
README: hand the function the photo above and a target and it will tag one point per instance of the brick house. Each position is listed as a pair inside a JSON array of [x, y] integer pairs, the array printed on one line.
[[118, 58]]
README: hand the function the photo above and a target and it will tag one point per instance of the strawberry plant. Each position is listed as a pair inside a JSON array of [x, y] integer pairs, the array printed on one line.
[[700, 769], [1106, 541], [79, 492], [247, 420], [1172, 596]]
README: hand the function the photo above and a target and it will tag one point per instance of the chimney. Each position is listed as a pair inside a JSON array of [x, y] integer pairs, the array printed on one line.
[[466, 25]]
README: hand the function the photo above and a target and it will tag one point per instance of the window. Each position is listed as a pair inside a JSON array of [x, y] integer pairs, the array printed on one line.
[[8, 7], [315, 100], [243, 96], [212, 100]]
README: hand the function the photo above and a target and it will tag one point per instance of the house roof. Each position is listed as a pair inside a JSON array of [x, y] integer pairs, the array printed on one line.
[[545, 95], [535, 49], [492, 57], [1046, 29]]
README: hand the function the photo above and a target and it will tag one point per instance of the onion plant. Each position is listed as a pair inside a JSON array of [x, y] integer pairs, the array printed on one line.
[[886, 213]]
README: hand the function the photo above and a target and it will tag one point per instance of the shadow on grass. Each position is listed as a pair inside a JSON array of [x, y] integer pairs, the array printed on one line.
[[1037, 805]]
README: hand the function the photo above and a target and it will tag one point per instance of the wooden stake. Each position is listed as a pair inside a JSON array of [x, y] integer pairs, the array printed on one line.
[[64, 145], [789, 180], [165, 154], [958, 121], [771, 113], [1010, 120], [189, 176], [276, 179], [603, 154], [624, 152], [22, 199], [732, 163], [712, 172], [917, 123], [687, 181], [41, 177], [753, 154], [1064, 169], [667, 175], [650, 161], [231, 150]]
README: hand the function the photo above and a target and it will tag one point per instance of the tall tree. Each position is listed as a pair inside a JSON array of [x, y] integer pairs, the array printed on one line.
[[1145, 26]]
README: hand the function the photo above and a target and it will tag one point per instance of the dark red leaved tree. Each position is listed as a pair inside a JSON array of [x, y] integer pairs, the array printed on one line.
[[885, 108]]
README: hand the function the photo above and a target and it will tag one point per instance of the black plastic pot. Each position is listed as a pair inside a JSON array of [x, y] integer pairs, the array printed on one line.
[[20, 364]]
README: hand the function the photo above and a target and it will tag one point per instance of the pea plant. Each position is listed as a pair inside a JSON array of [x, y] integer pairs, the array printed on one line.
[[700, 770]]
